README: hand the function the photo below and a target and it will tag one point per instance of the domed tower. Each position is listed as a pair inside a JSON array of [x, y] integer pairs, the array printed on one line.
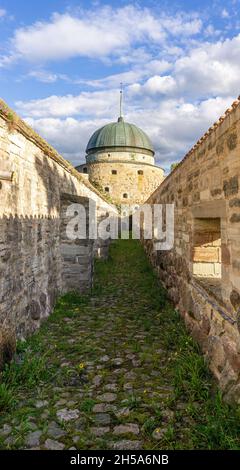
[[120, 161]]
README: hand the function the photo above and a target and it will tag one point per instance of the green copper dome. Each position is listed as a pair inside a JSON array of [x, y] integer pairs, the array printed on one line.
[[119, 134]]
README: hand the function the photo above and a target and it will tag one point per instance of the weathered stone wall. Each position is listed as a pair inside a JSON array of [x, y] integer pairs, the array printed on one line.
[[134, 180], [33, 258], [202, 271]]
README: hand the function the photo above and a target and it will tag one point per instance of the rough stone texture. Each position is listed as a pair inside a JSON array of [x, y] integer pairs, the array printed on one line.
[[66, 415], [107, 397], [41, 403], [7, 344], [33, 439], [129, 428], [55, 431], [102, 419], [202, 271], [127, 180], [33, 257], [126, 445], [6, 430], [99, 431], [53, 445]]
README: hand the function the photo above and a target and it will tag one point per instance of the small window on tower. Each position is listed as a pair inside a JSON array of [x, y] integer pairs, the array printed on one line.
[[140, 172], [107, 189], [125, 196], [109, 154], [114, 172], [85, 169]]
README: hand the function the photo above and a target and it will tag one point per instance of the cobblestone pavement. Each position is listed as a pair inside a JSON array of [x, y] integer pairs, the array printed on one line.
[[107, 382]]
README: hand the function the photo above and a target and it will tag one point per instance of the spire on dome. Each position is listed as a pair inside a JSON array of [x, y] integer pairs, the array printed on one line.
[[121, 100]]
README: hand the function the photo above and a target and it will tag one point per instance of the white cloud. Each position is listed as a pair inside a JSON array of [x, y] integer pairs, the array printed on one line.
[[44, 76], [179, 25], [69, 136], [211, 69], [155, 85], [6, 60], [129, 77], [97, 34], [97, 103], [225, 13], [100, 33], [2, 12], [175, 125], [208, 69]]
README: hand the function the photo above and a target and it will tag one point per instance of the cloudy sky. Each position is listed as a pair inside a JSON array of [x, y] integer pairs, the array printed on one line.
[[62, 61]]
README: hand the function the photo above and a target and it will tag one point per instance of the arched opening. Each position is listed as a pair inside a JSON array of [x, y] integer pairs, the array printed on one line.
[[114, 172], [85, 169], [125, 196], [107, 189], [140, 172]]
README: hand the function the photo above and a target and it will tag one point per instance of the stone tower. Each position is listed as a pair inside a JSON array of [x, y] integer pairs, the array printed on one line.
[[120, 161]]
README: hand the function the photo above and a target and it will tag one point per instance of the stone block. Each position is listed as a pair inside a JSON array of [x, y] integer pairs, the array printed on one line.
[[215, 354], [227, 380], [235, 299], [232, 355], [203, 269], [226, 257], [206, 254], [235, 218], [200, 337], [174, 295], [7, 345], [34, 310], [231, 186]]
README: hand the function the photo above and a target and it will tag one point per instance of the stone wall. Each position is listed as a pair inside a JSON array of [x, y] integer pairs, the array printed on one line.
[[202, 271], [35, 266], [136, 181]]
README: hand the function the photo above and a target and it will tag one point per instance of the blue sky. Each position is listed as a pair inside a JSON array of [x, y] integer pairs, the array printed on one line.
[[61, 64]]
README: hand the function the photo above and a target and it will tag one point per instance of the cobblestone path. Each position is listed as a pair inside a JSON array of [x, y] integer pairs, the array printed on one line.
[[99, 374]]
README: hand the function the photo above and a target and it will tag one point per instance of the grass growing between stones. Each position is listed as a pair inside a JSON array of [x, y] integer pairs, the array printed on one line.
[[114, 369]]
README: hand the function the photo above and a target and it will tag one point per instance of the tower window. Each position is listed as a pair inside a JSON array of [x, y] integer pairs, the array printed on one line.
[[107, 189], [114, 172], [85, 169], [140, 172], [125, 196], [109, 154]]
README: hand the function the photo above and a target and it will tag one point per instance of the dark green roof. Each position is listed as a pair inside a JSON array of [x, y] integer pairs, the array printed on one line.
[[119, 134]]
